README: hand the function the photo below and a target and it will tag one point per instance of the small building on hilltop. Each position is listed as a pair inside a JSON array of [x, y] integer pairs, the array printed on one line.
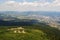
[[17, 30]]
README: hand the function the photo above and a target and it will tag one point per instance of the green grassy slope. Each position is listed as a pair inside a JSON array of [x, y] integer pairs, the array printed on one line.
[[33, 32]]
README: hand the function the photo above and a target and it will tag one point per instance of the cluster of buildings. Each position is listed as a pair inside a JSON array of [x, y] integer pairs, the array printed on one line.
[[18, 30]]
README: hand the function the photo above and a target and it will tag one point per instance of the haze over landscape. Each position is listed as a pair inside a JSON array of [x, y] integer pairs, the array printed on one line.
[[29, 19]]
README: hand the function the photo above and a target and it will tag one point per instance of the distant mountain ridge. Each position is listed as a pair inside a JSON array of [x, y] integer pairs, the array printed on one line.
[[30, 13]]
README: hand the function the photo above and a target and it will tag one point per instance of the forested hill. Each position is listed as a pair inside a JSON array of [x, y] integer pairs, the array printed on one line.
[[35, 30], [38, 31], [17, 22]]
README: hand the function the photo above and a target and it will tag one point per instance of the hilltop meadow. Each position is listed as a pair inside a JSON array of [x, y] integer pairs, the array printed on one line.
[[33, 32]]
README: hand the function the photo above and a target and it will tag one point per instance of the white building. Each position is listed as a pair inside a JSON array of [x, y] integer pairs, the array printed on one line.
[[17, 30]]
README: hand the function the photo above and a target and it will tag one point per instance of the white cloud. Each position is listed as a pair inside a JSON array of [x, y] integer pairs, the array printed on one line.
[[55, 3], [33, 6], [27, 3], [9, 2]]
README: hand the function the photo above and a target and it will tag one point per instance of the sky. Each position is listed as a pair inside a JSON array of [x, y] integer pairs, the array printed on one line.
[[29, 5]]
